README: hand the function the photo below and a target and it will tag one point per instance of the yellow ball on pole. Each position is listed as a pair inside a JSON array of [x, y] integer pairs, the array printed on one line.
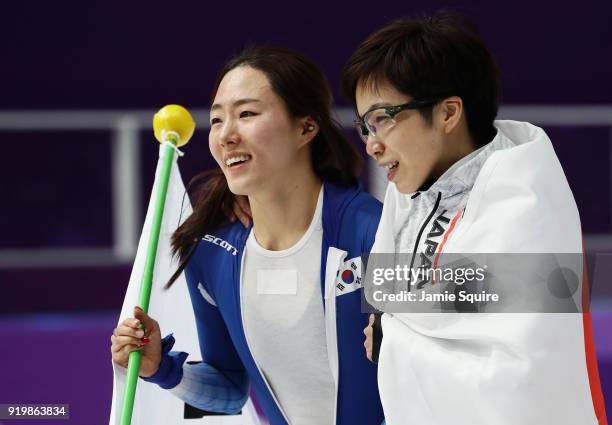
[[173, 122]]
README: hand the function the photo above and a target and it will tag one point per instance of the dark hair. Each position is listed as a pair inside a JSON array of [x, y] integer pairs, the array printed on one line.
[[301, 85], [431, 58]]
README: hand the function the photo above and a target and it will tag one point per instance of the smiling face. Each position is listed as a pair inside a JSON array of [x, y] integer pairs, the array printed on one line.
[[252, 137], [410, 151]]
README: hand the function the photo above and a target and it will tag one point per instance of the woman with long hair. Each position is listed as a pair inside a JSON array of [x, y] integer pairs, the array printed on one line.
[[277, 304]]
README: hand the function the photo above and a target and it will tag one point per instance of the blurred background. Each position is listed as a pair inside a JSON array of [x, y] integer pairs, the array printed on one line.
[[80, 82]]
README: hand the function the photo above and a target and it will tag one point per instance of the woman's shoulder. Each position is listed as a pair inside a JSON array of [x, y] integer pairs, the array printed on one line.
[[352, 200], [218, 246], [521, 198], [223, 241], [356, 215], [367, 204]]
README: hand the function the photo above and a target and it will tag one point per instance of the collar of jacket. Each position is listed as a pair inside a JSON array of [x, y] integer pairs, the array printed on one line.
[[460, 177], [335, 200]]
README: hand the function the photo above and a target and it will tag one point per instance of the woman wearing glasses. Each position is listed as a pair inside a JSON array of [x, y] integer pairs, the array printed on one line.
[[277, 304], [426, 94]]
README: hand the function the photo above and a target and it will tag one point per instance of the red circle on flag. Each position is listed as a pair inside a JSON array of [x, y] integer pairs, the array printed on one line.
[[347, 276]]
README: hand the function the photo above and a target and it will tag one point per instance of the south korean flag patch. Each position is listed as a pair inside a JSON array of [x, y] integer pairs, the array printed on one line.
[[349, 276]]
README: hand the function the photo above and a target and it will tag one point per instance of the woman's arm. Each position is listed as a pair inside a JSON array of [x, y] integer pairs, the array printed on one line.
[[219, 383]]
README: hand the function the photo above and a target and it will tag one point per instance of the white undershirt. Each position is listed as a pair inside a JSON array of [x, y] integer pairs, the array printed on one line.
[[285, 326]]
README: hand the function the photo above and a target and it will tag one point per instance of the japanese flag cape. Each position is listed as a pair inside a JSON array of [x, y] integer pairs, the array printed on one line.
[[174, 313], [511, 196]]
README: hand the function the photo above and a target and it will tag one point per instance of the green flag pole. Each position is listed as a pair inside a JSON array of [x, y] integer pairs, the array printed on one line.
[[173, 127]]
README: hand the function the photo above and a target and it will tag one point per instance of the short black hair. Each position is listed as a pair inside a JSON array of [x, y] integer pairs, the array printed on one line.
[[432, 57]]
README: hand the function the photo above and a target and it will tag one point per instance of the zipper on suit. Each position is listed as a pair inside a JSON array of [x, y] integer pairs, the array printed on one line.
[[418, 239]]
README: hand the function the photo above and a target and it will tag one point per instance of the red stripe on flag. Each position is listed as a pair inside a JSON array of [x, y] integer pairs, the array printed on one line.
[[589, 348], [446, 235]]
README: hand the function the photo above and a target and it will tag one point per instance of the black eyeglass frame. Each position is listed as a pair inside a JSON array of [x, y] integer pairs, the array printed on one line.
[[392, 111]]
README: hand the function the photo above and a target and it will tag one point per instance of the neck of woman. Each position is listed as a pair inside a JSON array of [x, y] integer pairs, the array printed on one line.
[[458, 148], [282, 214]]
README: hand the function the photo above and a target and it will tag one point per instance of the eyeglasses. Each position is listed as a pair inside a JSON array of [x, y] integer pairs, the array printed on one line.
[[377, 121]]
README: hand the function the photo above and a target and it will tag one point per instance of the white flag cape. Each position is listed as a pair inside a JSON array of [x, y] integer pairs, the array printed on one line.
[[172, 309], [506, 368]]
